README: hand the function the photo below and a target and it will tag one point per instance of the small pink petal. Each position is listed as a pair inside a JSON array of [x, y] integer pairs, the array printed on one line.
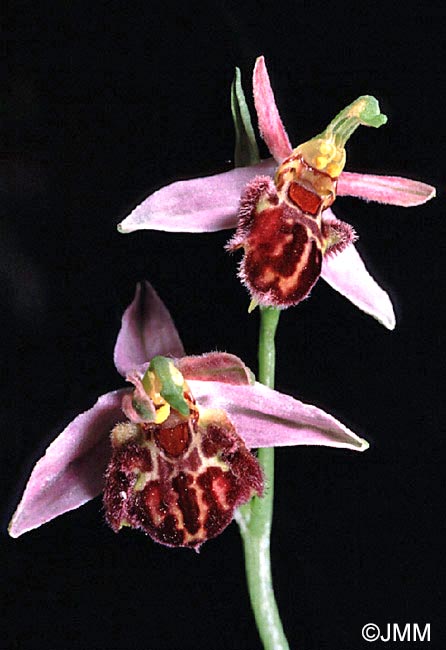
[[139, 396], [147, 330], [72, 470], [199, 205], [266, 418], [338, 234], [215, 366], [385, 189], [270, 124], [347, 274]]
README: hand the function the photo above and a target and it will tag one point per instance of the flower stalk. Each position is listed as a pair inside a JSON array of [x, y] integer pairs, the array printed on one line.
[[255, 518]]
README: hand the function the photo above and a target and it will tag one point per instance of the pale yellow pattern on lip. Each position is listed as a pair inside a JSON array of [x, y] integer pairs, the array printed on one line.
[[268, 275], [286, 284]]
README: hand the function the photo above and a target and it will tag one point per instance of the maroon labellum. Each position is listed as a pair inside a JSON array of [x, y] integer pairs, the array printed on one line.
[[282, 233], [283, 246], [179, 481]]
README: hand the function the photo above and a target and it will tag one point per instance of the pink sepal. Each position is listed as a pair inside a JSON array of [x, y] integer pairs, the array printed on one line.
[[199, 205], [147, 330], [347, 274], [215, 366], [393, 190], [266, 418], [270, 125], [72, 470]]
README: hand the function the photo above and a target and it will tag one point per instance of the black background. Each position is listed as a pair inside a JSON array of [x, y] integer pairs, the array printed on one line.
[[106, 101]]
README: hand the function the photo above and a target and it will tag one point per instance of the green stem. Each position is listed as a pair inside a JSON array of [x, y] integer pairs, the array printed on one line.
[[255, 517]]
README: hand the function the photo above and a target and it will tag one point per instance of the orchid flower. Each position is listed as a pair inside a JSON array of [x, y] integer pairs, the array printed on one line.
[[289, 233], [170, 455]]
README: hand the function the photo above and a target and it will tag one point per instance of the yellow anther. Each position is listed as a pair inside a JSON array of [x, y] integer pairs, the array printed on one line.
[[327, 149], [152, 387], [334, 169], [321, 162], [326, 152], [162, 413]]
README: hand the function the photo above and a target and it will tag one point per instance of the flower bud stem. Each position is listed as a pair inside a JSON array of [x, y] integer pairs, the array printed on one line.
[[255, 517]]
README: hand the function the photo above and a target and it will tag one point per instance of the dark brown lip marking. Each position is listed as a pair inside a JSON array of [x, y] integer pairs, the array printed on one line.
[[283, 256]]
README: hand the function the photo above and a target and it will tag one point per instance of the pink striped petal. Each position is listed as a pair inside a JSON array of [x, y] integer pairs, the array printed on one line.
[[147, 330], [385, 189], [347, 274], [199, 205], [270, 124], [215, 366], [267, 418], [71, 471]]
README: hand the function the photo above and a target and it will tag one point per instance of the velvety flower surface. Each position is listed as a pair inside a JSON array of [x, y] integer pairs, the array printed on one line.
[[213, 203], [171, 455]]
